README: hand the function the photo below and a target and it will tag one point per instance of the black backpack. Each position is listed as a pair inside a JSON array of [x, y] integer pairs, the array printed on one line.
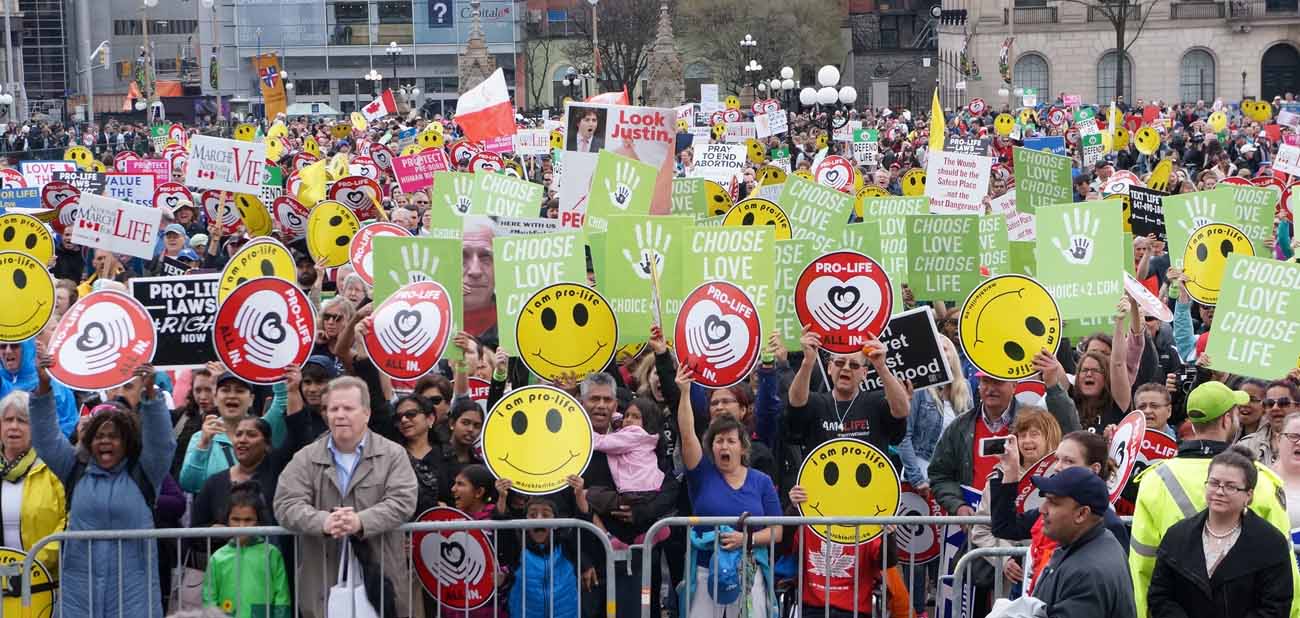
[[133, 468]]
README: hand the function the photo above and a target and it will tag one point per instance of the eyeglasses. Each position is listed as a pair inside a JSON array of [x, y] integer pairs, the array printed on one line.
[[852, 365], [435, 400], [410, 414], [1282, 402], [1089, 370], [722, 401], [1293, 438], [331, 317], [1228, 489]]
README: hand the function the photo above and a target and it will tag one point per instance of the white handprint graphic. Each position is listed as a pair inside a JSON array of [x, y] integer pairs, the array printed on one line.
[[836, 304], [419, 264], [454, 560], [262, 324], [458, 200], [720, 339], [403, 328], [652, 243], [1201, 210], [102, 332], [625, 182], [1080, 234]]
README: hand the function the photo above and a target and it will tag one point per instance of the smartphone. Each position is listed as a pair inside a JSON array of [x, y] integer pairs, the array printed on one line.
[[993, 446]]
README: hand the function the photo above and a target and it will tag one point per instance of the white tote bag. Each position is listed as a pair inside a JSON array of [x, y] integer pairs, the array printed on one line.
[[348, 596]]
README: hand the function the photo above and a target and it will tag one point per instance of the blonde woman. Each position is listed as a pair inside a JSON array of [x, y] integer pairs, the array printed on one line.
[[932, 409]]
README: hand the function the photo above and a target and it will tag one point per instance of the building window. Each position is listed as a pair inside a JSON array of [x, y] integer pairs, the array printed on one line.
[[354, 13], [395, 12], [1106, 70], [1031, 71], [1197, 76], [131, 27], [311, 87], [896, 31]]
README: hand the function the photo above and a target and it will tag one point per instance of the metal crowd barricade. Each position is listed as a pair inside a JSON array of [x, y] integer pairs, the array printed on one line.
[[792, 525], [412, 587]]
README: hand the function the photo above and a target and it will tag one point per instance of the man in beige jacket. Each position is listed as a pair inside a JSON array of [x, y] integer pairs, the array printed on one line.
[[350, 482]]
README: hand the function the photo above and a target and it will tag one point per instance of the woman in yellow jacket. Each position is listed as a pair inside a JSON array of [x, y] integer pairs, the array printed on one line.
[[32, 499]]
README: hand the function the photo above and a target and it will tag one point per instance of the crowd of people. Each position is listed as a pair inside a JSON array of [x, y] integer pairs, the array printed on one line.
[[343, 456]]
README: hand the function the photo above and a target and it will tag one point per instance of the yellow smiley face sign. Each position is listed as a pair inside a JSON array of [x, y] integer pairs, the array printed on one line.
[[1206, 257], [566, 330], [866, 193], [770, 175], [557, 139], [274, 148], [1006, 321], [719, 130], [430, 140], [257, 220], [913, 182], [43, 586], [311, 146], [1259, 111], [1028, 116], [1120, 141], [79, 155], [340, 131], [822, 142], [733, 102], [330, 228], [278, 130], [755, 150], [358, 121], [758, 211], [537, 436], [682, 125], [1003, 124], [1147, 140], [1218, 121], [411, 149], [719, 199], [806, 175], [846, 477], [245, 132], [261, 258], [29, 300], [26, 234]]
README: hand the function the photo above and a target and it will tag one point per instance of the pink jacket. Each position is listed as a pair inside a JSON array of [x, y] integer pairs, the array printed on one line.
[[632, 461]]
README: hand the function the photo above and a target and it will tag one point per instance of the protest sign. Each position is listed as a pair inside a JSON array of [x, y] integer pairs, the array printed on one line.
[[1187, 211], [21, 197], [400, 261], [27, 309], [892, 213], [265, 325], [845, 297], [1053, 144], [620, 186], [517, 424], [720, 332], [134, 188], [526, 264], [117, 226], [1004, 322], [100, 341], [912, 351], [225, 164], [1042, 179], [470, 585], [1146, 212], [85, 182], [409, 331], [690, 197], [1020, 225], [499, 195], [633, 246], [876, 492], [966, 144], [565, 330], [995, 248], [40, 173], [416, 172], [1253, 210], [1256, 329], [1080, 257], [514, 226], [956, 183], [646, 134], [160, 169], [864, 237], [816, 212], [791, 258], [721, 163], [942, 256], [452, 191], [866, 147], [183, 310], [742, 255], [739, 132], [1287, 159]]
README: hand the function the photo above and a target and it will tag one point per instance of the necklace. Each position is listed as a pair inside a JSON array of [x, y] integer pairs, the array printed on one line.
[[1230, 532]]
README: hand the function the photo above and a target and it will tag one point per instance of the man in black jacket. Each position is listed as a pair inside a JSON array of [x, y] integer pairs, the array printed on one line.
[[1082, 579]]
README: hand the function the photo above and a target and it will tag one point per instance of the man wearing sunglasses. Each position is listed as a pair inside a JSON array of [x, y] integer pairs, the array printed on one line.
[[879, 418]]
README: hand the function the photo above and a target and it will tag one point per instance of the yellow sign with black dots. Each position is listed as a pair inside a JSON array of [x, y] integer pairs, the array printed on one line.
[[847, 477]]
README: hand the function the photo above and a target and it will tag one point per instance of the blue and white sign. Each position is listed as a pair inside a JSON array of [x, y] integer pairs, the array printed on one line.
[[24, 197], [134, 188], [441, 14], [1054, 144]]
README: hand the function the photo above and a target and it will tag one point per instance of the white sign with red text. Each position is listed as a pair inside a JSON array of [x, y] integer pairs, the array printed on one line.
[[40, 173], [225, 164], [956, 182], [117, 226]]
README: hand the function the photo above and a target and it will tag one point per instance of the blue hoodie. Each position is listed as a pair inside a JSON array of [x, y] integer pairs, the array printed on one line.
[[65, 401]]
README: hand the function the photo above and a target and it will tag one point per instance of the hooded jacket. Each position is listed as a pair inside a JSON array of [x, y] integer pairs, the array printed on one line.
[[65, 401]]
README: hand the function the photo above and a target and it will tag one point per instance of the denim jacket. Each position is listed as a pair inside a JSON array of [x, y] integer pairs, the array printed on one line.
[[924, 424]]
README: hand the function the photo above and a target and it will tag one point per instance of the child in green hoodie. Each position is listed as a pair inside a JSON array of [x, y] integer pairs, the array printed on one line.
[[240, 571]]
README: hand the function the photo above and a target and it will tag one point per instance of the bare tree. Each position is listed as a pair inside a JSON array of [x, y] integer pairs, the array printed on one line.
[[625, 33], [537, 57], [1121, 14], [789, 33]]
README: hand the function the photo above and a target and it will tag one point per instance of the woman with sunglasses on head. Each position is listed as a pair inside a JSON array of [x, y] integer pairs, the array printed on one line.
[[415, 423], [438, 391], [1280, 399]]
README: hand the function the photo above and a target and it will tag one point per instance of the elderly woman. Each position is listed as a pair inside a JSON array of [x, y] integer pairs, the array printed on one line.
[[112, 481], [354, 289], [31, 496]]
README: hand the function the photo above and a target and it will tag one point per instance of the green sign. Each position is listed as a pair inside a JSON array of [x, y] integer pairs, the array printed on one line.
[[1078, 328], [1042, 179], [745, 256], [526, 264], [792, 256], [866, 135], [689, 197], [400, 260], [816, 212], [1254, 208], [995, 248], [892, 213], [452, 191], [780, 153], [1081, 257], [620, 186], [943, 254], [1188, 211], [1256, 329], [1023, 261], [596, 246], [443, 221], [634, 245], [501, 195]]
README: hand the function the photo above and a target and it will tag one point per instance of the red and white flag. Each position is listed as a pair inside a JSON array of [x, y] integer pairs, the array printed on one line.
[[380, 107], [485, 111], [611, 98]]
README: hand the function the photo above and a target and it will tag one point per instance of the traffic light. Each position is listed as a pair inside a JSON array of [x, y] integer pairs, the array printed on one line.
[[104, 56]]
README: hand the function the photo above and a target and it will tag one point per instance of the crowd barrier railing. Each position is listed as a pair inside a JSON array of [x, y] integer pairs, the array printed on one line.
[[493, 529]]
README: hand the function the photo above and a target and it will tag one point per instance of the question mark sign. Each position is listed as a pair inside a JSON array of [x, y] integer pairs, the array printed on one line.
[[441, 9]]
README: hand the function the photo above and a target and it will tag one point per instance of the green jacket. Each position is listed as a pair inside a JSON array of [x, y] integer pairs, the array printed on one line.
[[237, 580], [953, 465], [201, 463]]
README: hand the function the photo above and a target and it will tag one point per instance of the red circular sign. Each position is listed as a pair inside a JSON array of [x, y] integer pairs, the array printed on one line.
[[486, 162], [361, 250], [918, 543], [1236, 181], [976, 107], [358, 193], [12, 178], [718, 334], [771, 106], [66, 213], [1156, 445], [212, 207], [365, 167], [478, 391], [1056, 117], [409, 331], [845, 297], [290, 217], [1027, 496], [303, 159], [382, 156], [119, 160], [835, 172], [55, 192], [461, 150], [171, 194], [101, 340], [732, 115], [1125, 444], [717, 118], [265, 325], [457, 567]]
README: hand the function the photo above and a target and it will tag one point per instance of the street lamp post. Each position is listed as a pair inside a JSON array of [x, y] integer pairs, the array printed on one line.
[[570, 80], [752, 70], [747, 47], [587, 74], [374, 78], [393, 52], [829, 100]]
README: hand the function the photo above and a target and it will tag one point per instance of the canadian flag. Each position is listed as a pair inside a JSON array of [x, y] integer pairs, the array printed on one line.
[[610, 98], [485, 111], [380, 107]]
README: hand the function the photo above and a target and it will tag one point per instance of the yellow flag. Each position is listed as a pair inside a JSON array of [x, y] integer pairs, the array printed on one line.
[[312, 189], [936, 124]]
